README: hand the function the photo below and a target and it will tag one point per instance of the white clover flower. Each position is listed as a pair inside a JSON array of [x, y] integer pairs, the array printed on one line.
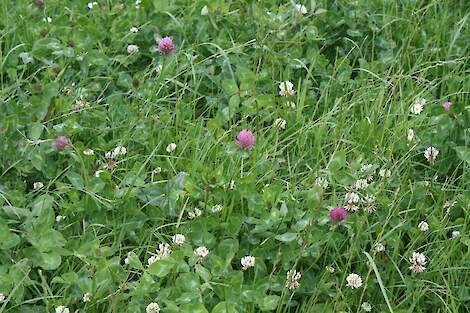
[[301, 9], [292, 281], [217, 208], [152, 308], [369, 203], [201, 252], [352, 198], [247, 262], [366, 306], [351, 208], [86, 297], [410, 135], [38, 185], [134, 29], [62, 309], [132, 49], [127, 260], [322, 182], [163, 251], [455, 234], [286, 89], [361, 184], [367, 167], [194, 213], [205, 10], [379, 247], [417, 260], [423, 226], [138, 3], [178, 239], [171, 147], [152, 260], [418, 106], [290, 105], [385, 173], [88, 152], [47, 19], [119, 150], [354, 281], [431, 154], [2, 297], [97, 173], [330, 269], [60, 218], [90, 5], [280, 123], [231, 185]]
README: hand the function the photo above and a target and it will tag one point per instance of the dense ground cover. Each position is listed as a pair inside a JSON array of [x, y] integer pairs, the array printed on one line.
[[234, 156]]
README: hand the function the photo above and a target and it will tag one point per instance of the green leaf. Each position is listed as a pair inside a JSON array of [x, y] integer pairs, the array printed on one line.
[[269, 303], [287, 237], [45, 241], [229, 86], [224, 307], [75, 179], [194, 308], [161, 267], [7, 239], [337, 161], [463, 153]]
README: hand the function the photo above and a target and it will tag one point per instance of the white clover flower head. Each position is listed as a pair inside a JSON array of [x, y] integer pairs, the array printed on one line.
[[132, 49], [2, 297], [366, 306], [290, 105], [410, 134], [369, 203], [90, 5], [352, 198], [423, 226], [47, 19], [286, 88], [88, 152], [280, 123], [231, 185], [134, 29], [119, 150], [201, 253], [152, 308], [194, 213], [455, 234], [330, 269], [152, 260], [86, 297], [62, 309], [322, 182], [300, 9], [379, 247], [351, 208], [178, 239], [38, 185], [431, 154], [127, 260], [138, 3], [97, 173], [171, 147], [417, 106], [367, 167], [163, 250], [354, 281], [247, 262], [361, 184], [205, 10], [217, 208], [417, 260], [292, 281], [386, 173], [60, 218]]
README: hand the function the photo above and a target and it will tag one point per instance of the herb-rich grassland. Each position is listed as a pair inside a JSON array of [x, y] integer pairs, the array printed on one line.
[[235, 156]]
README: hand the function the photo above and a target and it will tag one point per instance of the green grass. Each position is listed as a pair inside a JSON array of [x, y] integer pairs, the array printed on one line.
[[356, 66]]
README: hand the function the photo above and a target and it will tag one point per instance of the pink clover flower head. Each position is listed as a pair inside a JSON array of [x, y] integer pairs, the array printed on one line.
[[447, 105], [61, 142], [166, 45], [338, 214], [245, 139]]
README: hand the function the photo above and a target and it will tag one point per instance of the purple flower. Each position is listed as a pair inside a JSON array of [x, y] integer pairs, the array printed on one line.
[[447, 105], [166, 46], [61, 142], [338, 214], [245, 139]]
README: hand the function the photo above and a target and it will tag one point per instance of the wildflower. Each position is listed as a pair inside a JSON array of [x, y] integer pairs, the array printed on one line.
[[47, 19], [280, 123], [338, 214], [417, 260], [132, 49], [201, 252], [119, 150], [330, 269], [80, 104], [366, 306], [152, 260], [367, 167], [86, 297], [322, 182], [245, 139], [61, 142], [354, 281], [293, 278], [62, 309], [90, 5], [138, 3], [195, 213], [431, 154], [352, 198], [127, 260], [385, 173], [418, 106], [163, 250], [247, 262], [97, 173], [447, 105], [361, 184], [379, 247], [205, 10], [60, 218], [231, 185], [38, 185], [369, 203], [166, 46], [134, 30], [410, 134], [286, 89], [216, 208], [423, 226], [2, 297], [178, 239], [152, 308], [455, 234], [301, 9], [88, 152], [171, 147], [290, 105]]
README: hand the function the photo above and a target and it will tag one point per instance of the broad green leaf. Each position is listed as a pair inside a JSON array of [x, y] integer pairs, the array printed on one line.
[[224, 307], [269, 303], [463, 153], [287, 237], [161, 267]]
